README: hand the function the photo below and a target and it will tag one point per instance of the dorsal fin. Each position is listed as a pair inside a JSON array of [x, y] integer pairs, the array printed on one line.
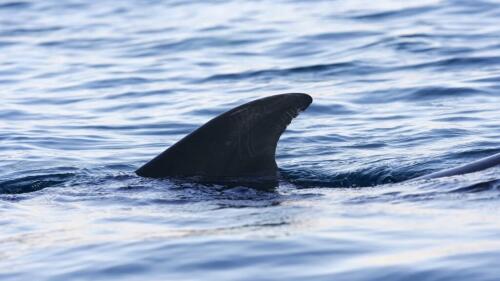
[[238, 143]]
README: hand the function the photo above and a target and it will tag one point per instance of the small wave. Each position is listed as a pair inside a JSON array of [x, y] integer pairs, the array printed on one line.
[[110, 83], [4, 43], [34, 31], [32, 183], [456, 119], [327, 36], [360, 178], [59, 101], [140, 94], [14, 114], [127, 107], [459, 62], [395, 14], [104, 84], [186, 45], [423, 94], [15, 5], [477, 153], [322, 69], [198, 43], [330, 109], [479, 187], [83, 43]]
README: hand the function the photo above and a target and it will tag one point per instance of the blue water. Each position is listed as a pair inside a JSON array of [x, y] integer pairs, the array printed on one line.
[[91, 90]]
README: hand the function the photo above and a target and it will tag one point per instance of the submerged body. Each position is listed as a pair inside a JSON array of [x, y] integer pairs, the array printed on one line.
[[476, 166], [239, 146]]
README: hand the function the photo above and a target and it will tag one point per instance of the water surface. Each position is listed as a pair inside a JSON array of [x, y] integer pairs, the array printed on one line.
[[91, 90]]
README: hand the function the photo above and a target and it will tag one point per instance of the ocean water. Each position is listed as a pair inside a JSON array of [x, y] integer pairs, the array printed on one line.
[[91, 90]]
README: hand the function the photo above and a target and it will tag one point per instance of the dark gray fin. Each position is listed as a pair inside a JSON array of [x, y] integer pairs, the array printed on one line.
[[240, 143], [475, 166]]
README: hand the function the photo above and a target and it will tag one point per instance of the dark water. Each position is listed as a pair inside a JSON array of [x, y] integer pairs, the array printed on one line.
[[93, 89]]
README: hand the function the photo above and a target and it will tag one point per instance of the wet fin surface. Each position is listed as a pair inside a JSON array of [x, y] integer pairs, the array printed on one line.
[[240, 143]]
